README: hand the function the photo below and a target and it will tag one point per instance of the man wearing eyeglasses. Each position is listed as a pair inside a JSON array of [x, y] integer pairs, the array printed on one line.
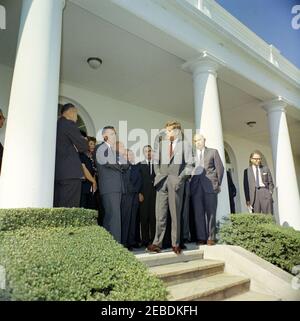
[[2, 120], [258, 186]]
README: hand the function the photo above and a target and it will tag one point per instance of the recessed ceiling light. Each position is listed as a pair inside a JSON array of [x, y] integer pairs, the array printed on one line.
[[251, 123], [94, 62]]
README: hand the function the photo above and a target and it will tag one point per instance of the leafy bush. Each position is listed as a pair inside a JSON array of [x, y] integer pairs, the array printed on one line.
[[259, 234], [72, 263], [11, 219]]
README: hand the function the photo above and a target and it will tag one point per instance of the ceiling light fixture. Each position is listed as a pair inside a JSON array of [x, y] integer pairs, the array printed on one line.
[[94, 62], [251, 123]]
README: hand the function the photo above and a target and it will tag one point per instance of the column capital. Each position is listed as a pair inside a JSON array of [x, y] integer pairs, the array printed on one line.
[[278, 104], [205, 63]]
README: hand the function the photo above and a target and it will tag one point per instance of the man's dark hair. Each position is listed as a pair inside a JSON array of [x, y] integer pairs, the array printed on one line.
[[92, 139], [147, 146], [107, 127], [66, 107]]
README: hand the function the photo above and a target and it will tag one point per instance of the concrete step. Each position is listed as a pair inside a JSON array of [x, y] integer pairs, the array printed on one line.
[[252, 296], [169, 257], [216, 287], [187, 271]]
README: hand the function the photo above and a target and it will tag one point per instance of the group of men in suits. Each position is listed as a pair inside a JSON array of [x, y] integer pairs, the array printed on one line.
[[182, 170], [174, 179]]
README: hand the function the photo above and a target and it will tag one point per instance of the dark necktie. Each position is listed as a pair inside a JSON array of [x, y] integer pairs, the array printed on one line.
[[171, 149], [257, 177]]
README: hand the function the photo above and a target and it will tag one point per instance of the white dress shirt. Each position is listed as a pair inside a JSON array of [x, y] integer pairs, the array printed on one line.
[[261, 184]]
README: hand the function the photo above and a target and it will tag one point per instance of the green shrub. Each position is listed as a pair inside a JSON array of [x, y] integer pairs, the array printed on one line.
[[73, 263], [259, 234], [11, 219]]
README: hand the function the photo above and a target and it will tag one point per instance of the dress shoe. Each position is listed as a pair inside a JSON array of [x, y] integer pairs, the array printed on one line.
[[211, 242], [176, 249], [152, 248], [183, 247], [201, 242]]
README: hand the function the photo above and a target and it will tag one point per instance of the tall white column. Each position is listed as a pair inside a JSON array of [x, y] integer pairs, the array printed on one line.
[[207, 115], [27, 176], [285, 174]]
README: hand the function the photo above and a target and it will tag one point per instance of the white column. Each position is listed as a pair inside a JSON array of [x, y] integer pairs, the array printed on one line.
[[27, 176], [285, 174], [207, 115]]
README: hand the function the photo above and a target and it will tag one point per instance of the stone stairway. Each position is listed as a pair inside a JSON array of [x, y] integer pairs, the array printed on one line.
[[190, 277]]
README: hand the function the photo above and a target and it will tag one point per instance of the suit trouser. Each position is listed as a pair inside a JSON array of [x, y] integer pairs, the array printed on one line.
[[112, 214], [147, 218], [185, 230], [133, 222], [67, 193], [205, 209], [167, 198], [129, 209], [263, 202]]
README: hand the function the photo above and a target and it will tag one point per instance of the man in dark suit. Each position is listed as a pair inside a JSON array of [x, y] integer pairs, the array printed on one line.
[[231, 191], [258, 186], [130, 201], [68, 169], [147, 205], [172, 165], [204, 187], [2, 120], [111, 168]]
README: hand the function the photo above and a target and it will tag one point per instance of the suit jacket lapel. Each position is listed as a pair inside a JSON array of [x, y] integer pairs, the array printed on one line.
[[251, 175], [175, 150]]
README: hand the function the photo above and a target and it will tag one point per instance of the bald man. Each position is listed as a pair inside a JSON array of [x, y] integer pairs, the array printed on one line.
[[204, 188]]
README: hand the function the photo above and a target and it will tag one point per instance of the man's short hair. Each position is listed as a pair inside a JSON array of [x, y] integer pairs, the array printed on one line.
[[173, 123], [147, 146], [104, 129], [66, 107], [92, 139]]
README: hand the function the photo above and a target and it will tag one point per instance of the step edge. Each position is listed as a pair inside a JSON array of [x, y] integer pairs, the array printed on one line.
[[243, 281], [188, 270]]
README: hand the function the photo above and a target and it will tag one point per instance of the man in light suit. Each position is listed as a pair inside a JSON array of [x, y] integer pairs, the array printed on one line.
[[258, 186], [68, 168], [172, 165], [204, 188], [111, 185]]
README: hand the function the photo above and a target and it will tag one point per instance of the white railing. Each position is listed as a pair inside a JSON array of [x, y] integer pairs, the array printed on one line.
[[238, 30]]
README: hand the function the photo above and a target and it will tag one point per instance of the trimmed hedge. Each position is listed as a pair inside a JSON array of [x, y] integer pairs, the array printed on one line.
[[259, 234], [62, 254], [72, 263], [11, 219]]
